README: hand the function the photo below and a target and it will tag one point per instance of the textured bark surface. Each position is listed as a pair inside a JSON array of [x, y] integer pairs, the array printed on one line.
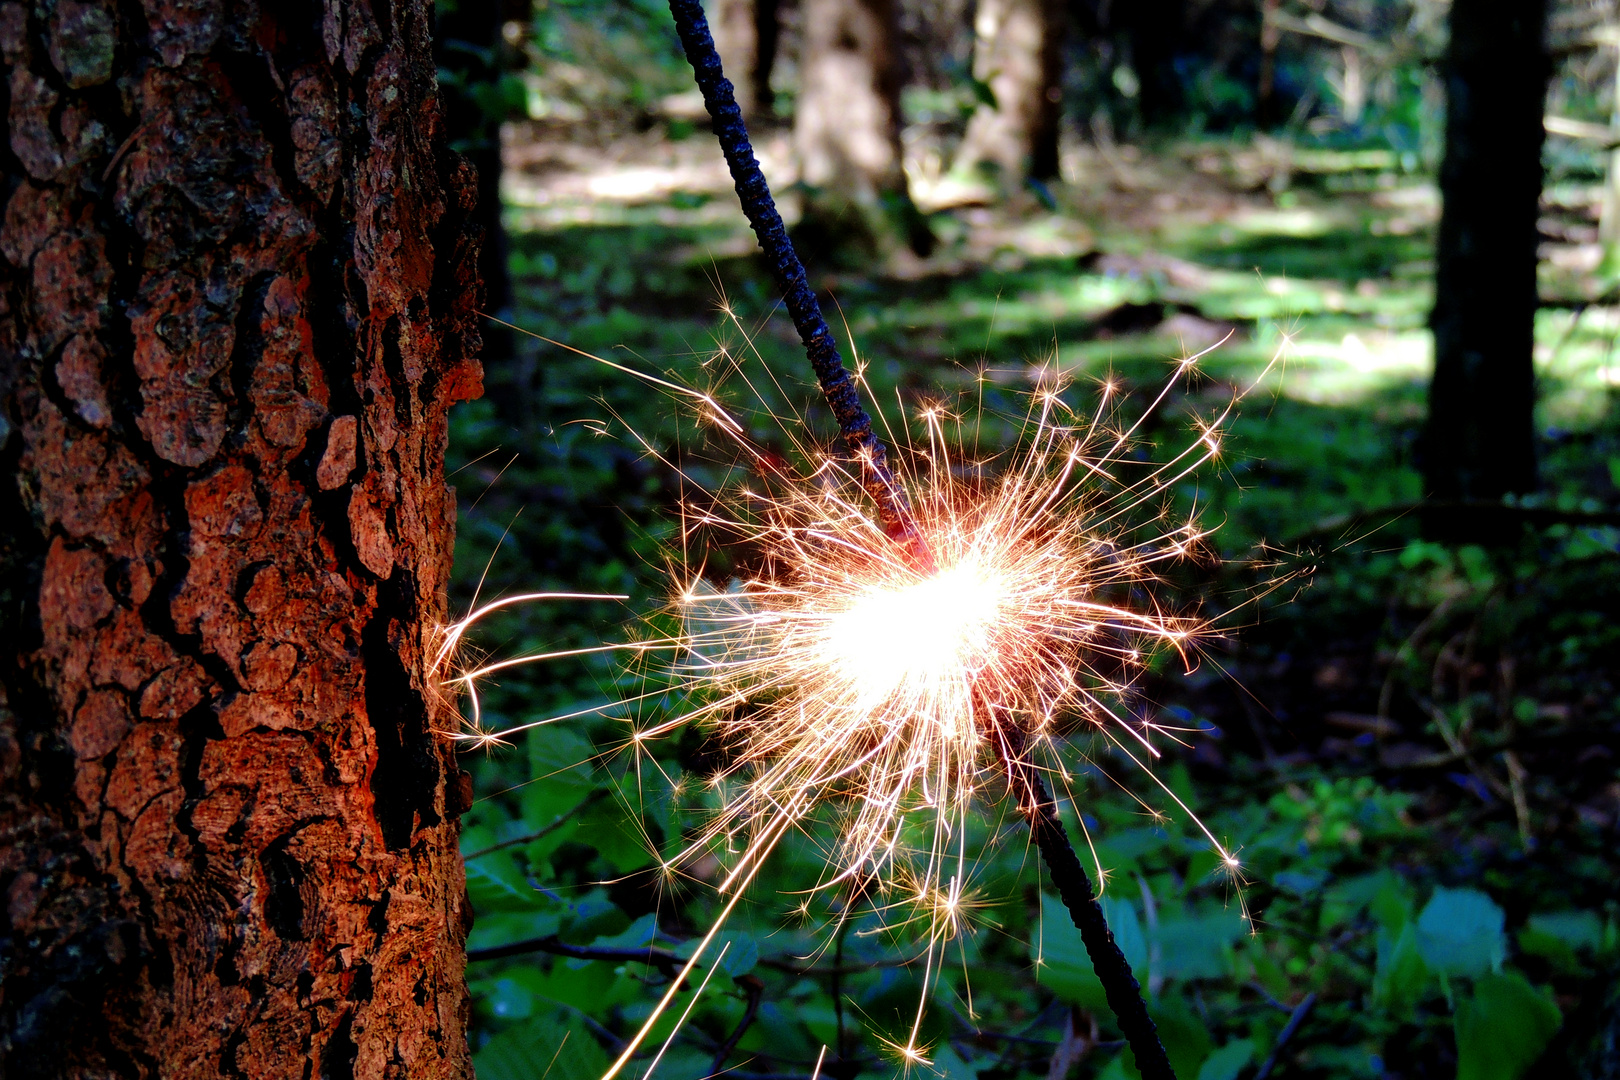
[[1018, 53], [1479, 442], [237, 299]]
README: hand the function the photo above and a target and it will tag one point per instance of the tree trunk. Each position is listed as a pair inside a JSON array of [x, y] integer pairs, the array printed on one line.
[[1265, 98], [473, 59], [847, 128], [1018, 53], [236, 300], [1479, 440], [1155, 30], [745, 36]]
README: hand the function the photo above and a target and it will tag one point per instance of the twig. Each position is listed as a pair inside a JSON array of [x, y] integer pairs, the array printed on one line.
[[1294, 1020], [1069, 878], [755, 991], [1521, 804], [539, 834], [665, 961], [1273, 1002]]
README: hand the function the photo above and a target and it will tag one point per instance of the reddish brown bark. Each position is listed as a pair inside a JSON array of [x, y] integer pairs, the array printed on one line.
[[237, 300]]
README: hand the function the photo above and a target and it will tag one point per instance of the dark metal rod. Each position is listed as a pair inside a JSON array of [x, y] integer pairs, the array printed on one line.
[[1074, 886], [837, 386], [843, 397]]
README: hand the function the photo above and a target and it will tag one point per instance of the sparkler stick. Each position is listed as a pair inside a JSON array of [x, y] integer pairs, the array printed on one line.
[[1068, 876], [760, 209]]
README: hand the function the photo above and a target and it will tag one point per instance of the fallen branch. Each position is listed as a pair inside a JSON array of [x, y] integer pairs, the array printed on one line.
[[1294, 1021]]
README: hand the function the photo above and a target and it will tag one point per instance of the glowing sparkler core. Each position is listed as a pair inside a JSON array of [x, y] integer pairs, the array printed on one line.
[[916, 639], [843, 669]]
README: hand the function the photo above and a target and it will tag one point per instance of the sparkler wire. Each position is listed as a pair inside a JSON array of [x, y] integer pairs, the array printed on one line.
[[819, 346], [1057, 850]]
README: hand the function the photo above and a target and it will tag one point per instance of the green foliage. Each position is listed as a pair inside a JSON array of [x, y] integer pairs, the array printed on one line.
[[1459, 932], [1503, 1027], [1395, 886], [541, 1048]]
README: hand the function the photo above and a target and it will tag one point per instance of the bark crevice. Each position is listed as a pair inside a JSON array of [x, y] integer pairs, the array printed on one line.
[[227, 850]]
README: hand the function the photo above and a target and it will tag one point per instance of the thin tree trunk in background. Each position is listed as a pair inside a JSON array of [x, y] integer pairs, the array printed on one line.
[[1479, 440], [1609, 219], [1266, 88], [768, 37], [1018, 53], [1155, 29], [846, 127], [469, 47], [236, 300], [735, 25]]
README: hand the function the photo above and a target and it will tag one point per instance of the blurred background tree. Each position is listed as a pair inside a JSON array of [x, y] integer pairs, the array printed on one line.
[[1479, 443], [1426, 738]]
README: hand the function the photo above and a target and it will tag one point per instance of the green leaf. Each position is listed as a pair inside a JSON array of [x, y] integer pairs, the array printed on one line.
[[590, 987], [1065, 966], [1127, 928], [614, 831], [950, 1065], [685, 1063], [1194, 946], [1228, 1061], [503, 928], [495, 883], [1503, 1028], [1401, 975], [637, 935], [560, 772], [1391, 905], [1344, 900], [508, 999], [1460, 932], [1576, 929], [1186, 1040], [742, 952], [1557, 937], [541, 1049]]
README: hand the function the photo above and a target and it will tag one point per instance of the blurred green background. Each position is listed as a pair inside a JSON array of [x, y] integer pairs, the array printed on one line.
[[1411, 746]]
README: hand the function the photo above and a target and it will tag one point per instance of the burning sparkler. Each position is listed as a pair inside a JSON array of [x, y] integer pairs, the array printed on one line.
[[846, 671], [913, 633]]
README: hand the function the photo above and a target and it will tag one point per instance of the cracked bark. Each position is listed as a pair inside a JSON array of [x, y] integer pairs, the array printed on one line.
[[238, 294]]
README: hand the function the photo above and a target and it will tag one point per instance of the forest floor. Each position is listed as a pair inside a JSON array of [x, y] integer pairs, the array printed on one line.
[[1412, 745]]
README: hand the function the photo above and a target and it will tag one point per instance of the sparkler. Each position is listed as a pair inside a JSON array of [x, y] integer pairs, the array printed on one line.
[[914, 633], [843, 671]]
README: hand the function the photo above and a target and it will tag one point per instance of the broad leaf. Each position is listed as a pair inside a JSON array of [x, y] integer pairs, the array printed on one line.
[[495, 883], [1065, 966], [1401, 975], [1503, 1028], [1228, 1061], [541, 1048], [1460, 933], [560, 772]]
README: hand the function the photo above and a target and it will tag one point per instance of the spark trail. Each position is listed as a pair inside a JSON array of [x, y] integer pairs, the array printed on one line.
[[844, 672]]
